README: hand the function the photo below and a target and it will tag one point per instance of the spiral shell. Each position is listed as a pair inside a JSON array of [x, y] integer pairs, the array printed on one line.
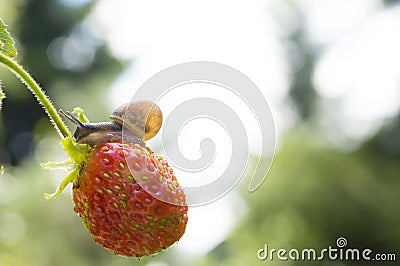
[[142, 118]]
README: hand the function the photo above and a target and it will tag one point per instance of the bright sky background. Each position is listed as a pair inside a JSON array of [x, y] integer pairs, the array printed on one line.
[[358, 71]]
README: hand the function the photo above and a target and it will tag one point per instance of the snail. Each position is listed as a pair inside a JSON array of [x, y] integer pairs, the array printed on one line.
[[141, 121]]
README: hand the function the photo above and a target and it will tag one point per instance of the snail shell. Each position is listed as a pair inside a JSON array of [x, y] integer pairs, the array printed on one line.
[[142, 118]]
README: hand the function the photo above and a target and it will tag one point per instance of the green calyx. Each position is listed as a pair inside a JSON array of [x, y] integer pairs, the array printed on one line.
[[78, 154]]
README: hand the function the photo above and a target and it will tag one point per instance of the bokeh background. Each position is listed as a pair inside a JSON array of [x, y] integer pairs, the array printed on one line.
[[330, 71]]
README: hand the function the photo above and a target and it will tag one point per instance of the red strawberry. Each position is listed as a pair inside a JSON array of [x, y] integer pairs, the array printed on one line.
[[130, 214], [127, 196]]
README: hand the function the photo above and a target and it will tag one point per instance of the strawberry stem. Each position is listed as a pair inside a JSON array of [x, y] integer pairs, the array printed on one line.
[[40, 95]]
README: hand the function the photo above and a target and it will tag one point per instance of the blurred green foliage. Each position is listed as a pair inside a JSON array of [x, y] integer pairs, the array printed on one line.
[[302, 92], [315, 194]]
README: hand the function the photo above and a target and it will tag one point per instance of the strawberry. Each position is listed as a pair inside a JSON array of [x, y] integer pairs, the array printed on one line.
[[131, 214], [127, 196]]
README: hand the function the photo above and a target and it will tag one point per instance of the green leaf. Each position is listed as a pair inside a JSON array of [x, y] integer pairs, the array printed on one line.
[[6, 41]]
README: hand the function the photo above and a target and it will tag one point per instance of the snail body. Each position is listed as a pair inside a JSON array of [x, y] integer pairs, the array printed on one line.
[[140, 120]]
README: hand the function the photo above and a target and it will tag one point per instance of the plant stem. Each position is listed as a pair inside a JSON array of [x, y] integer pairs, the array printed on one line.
[[41, 97]]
